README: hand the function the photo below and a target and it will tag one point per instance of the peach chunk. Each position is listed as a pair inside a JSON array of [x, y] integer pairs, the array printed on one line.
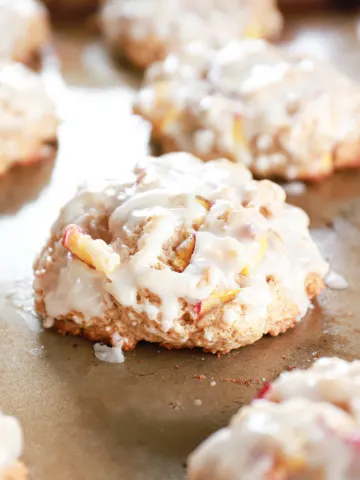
[[170, 117], [215, 299], [238, 132], [207, 204], [257, 257], [161, 89], [95, 253], [184, 253], [253, 31]]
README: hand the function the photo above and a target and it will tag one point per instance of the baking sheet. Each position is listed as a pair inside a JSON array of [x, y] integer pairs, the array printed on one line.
[[139, 420]]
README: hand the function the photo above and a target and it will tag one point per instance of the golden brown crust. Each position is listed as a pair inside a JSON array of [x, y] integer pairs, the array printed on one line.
[[314, 285], [16, 472]]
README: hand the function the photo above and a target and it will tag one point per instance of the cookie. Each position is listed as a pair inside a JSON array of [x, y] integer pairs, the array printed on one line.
[[295, 440], [190, 254], [28, 119], [24, 31], [144, 31], [11, 444], [309, 434], [279, 114]]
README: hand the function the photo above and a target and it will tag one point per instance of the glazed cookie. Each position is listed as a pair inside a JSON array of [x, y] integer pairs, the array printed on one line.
[[24, 31], [147, 30], [310, 434], [27, 115], [278, 114], [190, 254], [11, 442]]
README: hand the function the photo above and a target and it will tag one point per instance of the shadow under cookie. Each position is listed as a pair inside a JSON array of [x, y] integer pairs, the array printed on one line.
[[24, 182]]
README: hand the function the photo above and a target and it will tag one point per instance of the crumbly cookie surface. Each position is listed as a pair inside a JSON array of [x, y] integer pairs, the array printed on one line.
[[11, 444], [146, 30], [24, 31], [188, 254], [279, 114], [27, 116], [304, 436]]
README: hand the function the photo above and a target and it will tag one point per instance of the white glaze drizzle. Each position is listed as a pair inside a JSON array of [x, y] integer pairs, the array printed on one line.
[[27, 115], [11, 441], [335, 281], [108, 354]]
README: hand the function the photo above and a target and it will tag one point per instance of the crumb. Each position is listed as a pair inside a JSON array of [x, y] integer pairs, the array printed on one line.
[[197, 402], [177, 405], [291, 367], [238, 381], [176, 367], [213, 383], [199, 377], [283, 356]]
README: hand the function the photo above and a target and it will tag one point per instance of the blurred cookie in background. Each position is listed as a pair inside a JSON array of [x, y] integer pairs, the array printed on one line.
[[304, 426], [280, 114], [28, 118], [24, 31], [144, 31]]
